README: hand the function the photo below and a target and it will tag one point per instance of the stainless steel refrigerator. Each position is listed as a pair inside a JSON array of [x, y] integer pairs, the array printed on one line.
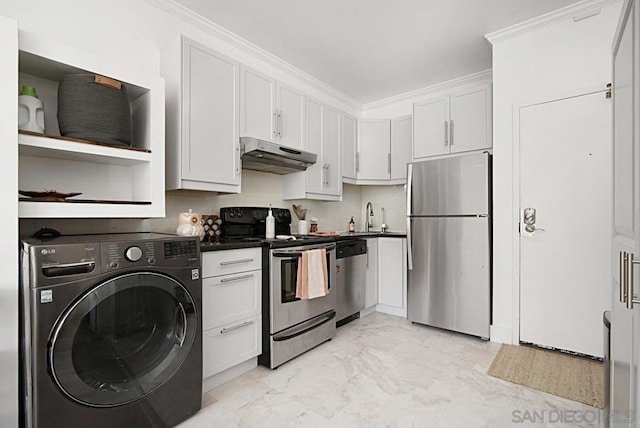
[[449, 243]]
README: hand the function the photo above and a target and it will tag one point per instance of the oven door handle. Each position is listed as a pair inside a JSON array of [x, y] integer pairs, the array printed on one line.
[[299, 253], [304, 327]]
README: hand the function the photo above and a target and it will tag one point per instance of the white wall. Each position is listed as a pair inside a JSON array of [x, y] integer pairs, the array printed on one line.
[[564, 58], [9, 221]]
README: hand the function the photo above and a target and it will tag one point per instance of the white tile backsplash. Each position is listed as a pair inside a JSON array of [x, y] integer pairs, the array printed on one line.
[[261, 189], [393, 200]]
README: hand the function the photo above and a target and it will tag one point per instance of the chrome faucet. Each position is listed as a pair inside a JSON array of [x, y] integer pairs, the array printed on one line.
[[383, 227], [369, 213]]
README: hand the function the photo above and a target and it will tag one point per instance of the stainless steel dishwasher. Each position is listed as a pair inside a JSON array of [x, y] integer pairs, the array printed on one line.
[[351, 267]]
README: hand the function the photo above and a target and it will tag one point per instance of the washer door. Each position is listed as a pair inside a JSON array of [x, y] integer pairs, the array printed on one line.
[[122, 339]]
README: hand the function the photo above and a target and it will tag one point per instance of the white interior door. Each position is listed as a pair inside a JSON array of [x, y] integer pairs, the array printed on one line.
[[565, 176], [625, 321]]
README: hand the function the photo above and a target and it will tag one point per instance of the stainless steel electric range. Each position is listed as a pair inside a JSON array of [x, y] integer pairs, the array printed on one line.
[[290, 326]]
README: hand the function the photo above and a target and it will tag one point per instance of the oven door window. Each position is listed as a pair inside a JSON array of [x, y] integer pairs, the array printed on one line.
[[289, 278], [122, 339]]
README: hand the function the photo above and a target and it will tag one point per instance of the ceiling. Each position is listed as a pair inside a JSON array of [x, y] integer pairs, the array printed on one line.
[[374, 49]]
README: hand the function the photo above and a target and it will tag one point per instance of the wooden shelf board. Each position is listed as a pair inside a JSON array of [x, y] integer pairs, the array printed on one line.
[[52, 146], [83, 201]]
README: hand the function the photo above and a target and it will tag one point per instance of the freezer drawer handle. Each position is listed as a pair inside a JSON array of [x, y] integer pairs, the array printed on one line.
[[409, 212]]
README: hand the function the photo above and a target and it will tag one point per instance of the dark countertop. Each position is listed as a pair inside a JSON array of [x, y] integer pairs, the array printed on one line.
[[349, 235], [208, 246]]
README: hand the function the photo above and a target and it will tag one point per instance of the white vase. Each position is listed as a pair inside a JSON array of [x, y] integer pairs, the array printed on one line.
[[303, 227]]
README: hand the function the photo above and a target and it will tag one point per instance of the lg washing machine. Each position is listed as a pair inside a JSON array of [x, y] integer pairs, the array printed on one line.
[[110, 331]]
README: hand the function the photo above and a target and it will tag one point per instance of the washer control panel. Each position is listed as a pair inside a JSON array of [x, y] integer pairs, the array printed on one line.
[[160, 253], [126, 254]]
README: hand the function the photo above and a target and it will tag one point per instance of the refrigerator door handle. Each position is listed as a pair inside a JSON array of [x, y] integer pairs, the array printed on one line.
[[409, 187], [409, 212], [409, 249]]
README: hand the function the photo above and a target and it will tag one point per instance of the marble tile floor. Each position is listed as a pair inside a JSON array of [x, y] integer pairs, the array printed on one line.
[[384, 371]]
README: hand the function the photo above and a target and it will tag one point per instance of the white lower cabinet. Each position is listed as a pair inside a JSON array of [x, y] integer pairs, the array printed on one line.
[[229, 345], [231, 316], [392, 276], [371, 275]]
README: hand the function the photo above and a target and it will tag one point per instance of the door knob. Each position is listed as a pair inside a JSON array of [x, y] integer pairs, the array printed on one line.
[[529, 220]]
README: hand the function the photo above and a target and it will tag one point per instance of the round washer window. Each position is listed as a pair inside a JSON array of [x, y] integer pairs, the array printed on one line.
[[122, 339]]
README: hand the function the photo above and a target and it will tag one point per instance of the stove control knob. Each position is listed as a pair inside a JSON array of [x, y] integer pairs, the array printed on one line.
[[232, 214], [239, 214], [133, 254]]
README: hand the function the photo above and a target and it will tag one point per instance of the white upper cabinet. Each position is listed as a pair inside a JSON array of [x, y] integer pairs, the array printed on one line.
[[290, 117], [258, 114], [315, 173], [374, 150], [453, 123], [203, 149], [112, 180], [332, 183], [271, 110], [322, 180], [384, 150], [401, 139], [349, 149], [431, 127], [470, 123]]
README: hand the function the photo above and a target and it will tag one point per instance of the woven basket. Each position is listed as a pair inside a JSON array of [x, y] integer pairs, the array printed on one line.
[[95, 108]]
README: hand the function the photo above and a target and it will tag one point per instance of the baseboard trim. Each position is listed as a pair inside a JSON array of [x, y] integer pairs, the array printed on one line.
[[229, 374], [501, 334], [392, 310]]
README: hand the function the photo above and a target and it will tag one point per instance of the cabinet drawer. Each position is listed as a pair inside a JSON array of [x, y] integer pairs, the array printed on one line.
[[229, 345], [230, 298], [216, 263]]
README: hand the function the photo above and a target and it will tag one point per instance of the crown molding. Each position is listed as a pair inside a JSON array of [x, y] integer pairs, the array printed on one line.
[[548, 19], [190, 17], [480, 76]]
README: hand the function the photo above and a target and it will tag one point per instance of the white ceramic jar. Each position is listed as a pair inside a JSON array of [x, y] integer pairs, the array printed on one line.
[[30, 111]]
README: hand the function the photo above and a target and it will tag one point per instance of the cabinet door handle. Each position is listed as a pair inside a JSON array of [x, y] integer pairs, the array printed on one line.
[[451, 132], [446, 133], [238, 172], [280, 123], [235, 262], [357, 162], [235, 327], [274, 124], [328, 174], [237, 278], [389, 163]]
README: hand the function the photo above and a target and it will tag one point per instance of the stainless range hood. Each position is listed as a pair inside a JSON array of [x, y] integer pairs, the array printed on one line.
[[260, 155]]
